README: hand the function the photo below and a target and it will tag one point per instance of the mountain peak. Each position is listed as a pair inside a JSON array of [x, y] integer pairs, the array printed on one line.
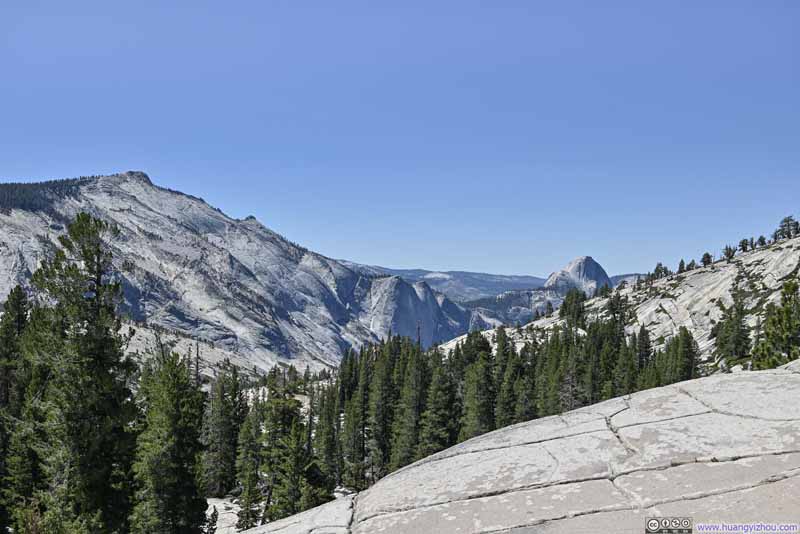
[[138, 176], [583, 273]]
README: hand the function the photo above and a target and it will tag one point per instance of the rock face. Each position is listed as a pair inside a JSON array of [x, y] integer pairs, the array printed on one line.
[[582, 273], [461, 286], [244, 290], [720, 448], [694, 299], [520, 306]]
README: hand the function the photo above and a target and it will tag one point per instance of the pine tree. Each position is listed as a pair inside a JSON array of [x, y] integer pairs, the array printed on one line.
[[681, 266], [502, 352], [12, 386], [439, 422], [248, 467], [405, 435], [744, 245], [326, 438], [625, 370], [505, 410], [382, 398], [289, 474], [354, 431], [729, 252], [572, 309], [525, 385], [644, 348], [731, 334], [226, 410], [281, 412], [168, 497], [86, 399], [780, 342], [479, 397], [707, 259], [788, 228]]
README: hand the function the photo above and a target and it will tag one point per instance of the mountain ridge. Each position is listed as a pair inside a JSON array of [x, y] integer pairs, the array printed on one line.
[[232, 283]]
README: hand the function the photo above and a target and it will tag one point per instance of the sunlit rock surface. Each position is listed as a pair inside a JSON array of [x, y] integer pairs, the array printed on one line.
[[695, 299], [720, 448], [245, 292]]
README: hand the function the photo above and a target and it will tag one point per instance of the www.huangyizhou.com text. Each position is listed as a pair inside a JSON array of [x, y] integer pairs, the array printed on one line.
[[746, 528]]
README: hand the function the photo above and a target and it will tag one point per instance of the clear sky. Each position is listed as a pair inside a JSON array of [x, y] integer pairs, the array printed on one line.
[[504, 136]]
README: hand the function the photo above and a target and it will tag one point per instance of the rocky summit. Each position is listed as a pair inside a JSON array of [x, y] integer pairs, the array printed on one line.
[[724, 448]]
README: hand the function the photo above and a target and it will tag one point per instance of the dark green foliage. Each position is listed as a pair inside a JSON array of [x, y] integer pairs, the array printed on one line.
[[729, 252], [289, 469], [479, 396], [745, 244], [405, 435], [168, 497], [707, 259], [80, 385], [382, 399], [644, 348], [780, 341], [439, 423], [248, 468], [572, 309], [12, 383], [227, 409], [788, 228], [354, 430], [731, 333]]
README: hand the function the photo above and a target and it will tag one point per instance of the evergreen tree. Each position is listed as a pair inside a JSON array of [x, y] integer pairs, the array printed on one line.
[[405, 436], [744, 245], [731, 333], [289, 474], [326, 438], [382, 400], [729, 252], [625, 370], [281, 413], [505, 410], [227, 408], [780, 342], [168, 497], [12, 326], [248, 468], [788, 228], [681, 266], [707, 259], [439, 423], [85, 398], [644, 348], [572, 309], [354, 431], [479, 397]]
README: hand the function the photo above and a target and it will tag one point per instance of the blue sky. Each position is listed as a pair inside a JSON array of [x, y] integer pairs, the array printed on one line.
[[495, 136]]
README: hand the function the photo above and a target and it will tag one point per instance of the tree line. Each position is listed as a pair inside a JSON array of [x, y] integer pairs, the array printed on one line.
[[788, 228]]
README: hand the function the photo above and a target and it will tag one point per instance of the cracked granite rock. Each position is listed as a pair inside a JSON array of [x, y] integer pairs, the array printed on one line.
[[720, 448]]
